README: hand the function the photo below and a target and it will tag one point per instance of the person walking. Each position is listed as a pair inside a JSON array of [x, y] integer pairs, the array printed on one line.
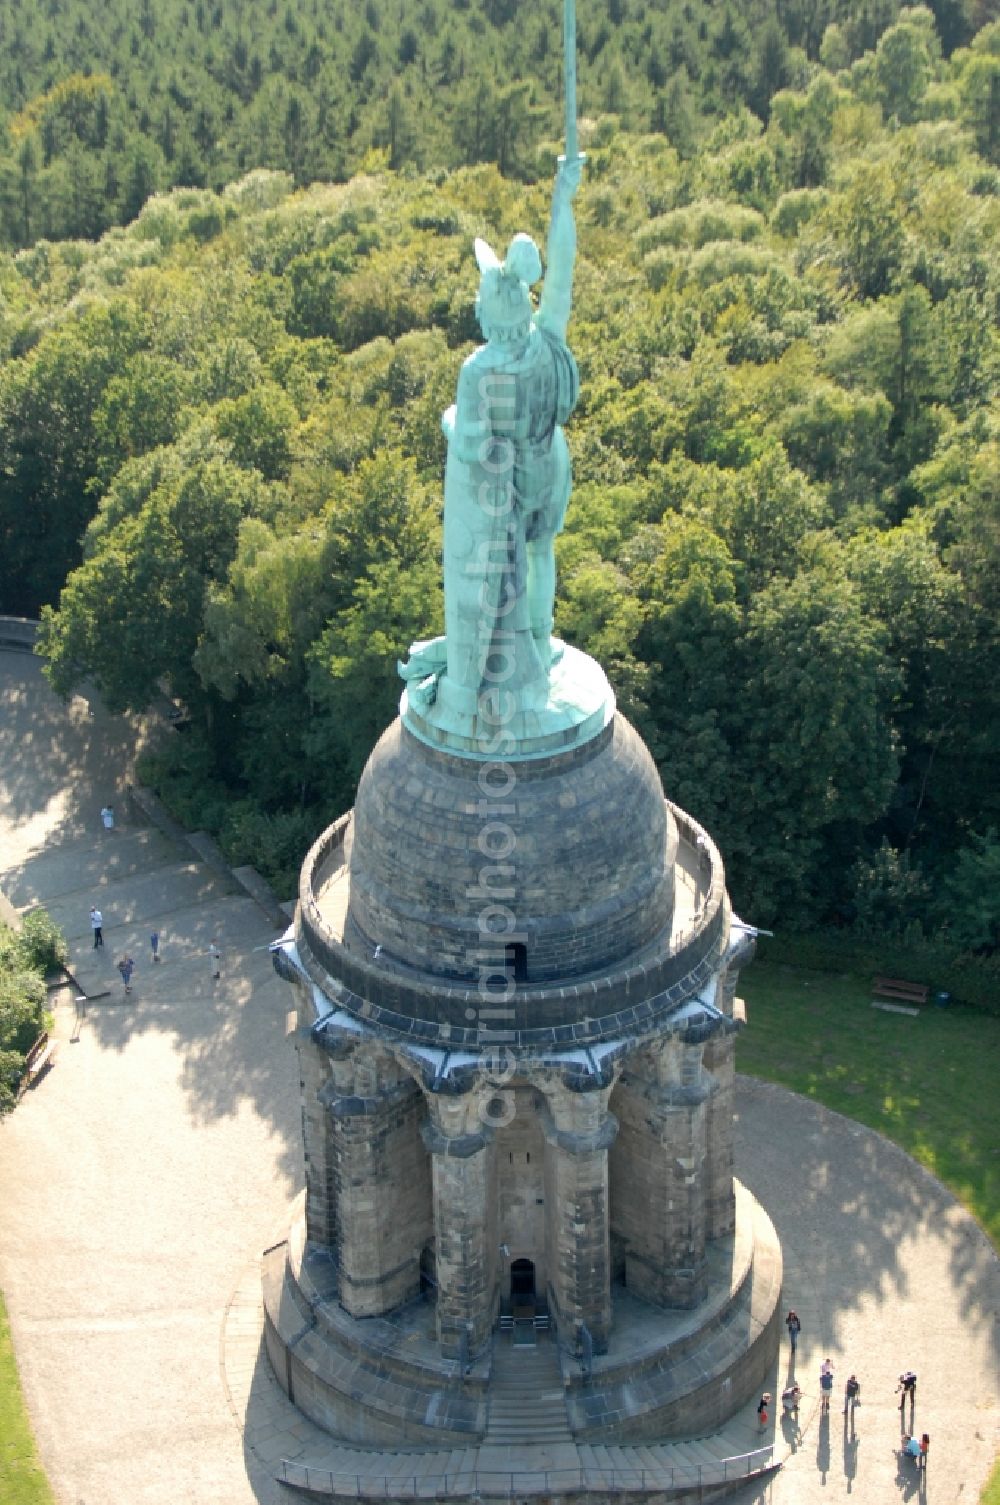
[[907, 1387], [216, 956], [825, 1385], [762, 1409], [925, 1445], [154, 945], [126, 966], [96, 924], [794, 1328], [852, 1394], [108, 817]]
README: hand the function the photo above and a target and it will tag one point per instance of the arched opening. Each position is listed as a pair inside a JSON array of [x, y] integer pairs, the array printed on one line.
[[522, 1281], [517, 962]]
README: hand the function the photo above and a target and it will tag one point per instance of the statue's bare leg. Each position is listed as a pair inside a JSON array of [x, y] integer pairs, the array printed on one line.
[[541, 593]]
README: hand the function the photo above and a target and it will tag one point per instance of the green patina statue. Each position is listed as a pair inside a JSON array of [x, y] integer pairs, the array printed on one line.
[[507, 484]]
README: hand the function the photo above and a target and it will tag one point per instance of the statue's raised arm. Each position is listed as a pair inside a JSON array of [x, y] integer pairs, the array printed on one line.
[[498, 677], [557, 292]]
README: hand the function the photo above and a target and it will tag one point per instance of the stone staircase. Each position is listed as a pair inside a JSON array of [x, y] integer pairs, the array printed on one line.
[[678, 1472], [526, 1403], [527, 1452]]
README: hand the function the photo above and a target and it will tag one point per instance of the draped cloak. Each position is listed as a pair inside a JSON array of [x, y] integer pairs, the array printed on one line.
[[507, 484]]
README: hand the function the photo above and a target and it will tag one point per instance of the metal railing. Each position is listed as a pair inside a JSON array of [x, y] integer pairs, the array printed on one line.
[[460, 1484]]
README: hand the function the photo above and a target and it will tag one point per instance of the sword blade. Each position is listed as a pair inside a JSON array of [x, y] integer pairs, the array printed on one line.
[[569, 76]]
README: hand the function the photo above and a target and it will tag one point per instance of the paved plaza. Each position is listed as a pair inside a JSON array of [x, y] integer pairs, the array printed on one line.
[[143, 1175]]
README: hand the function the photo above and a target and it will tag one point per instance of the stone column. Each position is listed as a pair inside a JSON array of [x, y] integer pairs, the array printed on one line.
[[379, 1213], [720, 1195], [465, 1226], [720, 1063], [317, 1140], [660, 1174], [578, 1131]]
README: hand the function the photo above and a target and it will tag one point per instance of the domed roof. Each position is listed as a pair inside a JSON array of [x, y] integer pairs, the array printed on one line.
[[556, 902], [564, 864]]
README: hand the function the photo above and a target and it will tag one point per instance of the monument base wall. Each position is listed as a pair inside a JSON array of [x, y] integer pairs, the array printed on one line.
[[716, 1360], [667, 1375]]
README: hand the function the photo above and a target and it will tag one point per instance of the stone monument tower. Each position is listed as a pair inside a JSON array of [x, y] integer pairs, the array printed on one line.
[[515, 964]]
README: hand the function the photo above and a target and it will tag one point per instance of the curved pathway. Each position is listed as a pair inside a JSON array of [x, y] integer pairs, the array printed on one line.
[[141, 1177]]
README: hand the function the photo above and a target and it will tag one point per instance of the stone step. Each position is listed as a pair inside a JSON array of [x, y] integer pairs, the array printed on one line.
[[530, 1387], [692, 1455], [527, 1400], [548, 1423], [528, 1426], [527, 1422]]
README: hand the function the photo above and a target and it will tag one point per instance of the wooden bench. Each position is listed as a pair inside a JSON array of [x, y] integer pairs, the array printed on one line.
[[901, 991], [41, 1055]]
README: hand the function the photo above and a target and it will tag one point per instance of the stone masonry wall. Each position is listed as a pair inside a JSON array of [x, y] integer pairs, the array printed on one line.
[[720, 1198], [657, 1176], [520, 1162]]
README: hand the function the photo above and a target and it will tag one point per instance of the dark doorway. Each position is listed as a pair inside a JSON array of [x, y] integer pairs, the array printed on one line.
[[428, 1272], [522, 1280], [517, 965]]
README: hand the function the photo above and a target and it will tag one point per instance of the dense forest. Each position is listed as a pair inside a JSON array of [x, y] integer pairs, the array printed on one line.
[[221, 466], [103, 104]]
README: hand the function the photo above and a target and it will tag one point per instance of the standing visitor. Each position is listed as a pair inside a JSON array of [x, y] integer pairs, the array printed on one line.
[[852, 1394], [794, 1328], [825, 1385], [216, 956], [126, 967], [154, 945], [96, 922], [108, 817]]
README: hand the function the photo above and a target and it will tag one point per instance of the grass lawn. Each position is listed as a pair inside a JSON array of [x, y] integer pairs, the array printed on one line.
[[991, 1494], [928, 1083], [22, 1481]]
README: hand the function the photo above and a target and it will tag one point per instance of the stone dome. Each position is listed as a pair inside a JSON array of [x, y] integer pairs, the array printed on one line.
[[565, 864], [556, 901]]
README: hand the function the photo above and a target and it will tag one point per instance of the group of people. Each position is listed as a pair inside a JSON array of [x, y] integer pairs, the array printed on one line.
[[911, 1447], [126, 963], [852, 1389]]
